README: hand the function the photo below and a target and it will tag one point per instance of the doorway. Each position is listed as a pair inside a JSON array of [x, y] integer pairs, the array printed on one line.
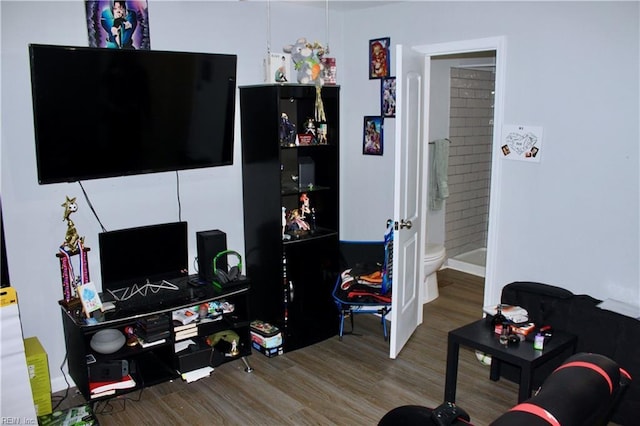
[[467, 99], [469, 52]]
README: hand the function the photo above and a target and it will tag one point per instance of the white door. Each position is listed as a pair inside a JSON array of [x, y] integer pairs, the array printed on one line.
[[408, 247]]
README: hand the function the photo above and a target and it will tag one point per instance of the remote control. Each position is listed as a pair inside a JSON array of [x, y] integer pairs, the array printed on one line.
[[447, 413]]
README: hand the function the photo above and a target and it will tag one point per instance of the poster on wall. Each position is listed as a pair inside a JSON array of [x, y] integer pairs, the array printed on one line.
[[118, 24], [388, 97], [372, 140], [522, 143], [379, 58]]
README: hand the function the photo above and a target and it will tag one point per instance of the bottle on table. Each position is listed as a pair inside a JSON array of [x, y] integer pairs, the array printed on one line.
[[499, 320]]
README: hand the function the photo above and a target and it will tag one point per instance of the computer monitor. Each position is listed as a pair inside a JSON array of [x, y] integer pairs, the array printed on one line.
[[143, 254]]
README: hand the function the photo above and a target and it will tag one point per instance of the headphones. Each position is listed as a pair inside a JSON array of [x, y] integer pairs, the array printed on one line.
[[233, 274]]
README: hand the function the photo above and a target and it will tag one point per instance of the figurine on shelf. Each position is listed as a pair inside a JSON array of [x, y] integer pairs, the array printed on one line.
[[322, 134], [310, 129], [287, 131], [312, 221], [295, 223], [304, 207], [284, 220], [234, 348]]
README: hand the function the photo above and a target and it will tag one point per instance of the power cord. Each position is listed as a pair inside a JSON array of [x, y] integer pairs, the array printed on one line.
[[108, 406], [66, 391], [86, 197], [178, 196]]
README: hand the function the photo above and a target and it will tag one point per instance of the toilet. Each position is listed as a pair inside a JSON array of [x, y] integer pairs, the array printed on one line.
[[433, 260]]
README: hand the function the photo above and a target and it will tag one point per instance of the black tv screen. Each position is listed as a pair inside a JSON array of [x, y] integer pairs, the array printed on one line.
[[108, 112], [147, 253]]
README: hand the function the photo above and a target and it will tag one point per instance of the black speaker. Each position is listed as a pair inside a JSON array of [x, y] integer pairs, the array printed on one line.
[[209, 244]]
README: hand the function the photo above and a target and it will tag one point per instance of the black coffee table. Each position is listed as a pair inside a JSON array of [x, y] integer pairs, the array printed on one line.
[[480, 336]]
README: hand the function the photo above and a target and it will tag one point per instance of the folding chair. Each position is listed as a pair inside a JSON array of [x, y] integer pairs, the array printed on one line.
[[365, 287]]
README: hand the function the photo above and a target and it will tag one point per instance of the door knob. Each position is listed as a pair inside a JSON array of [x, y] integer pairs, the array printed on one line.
[[405, 224]]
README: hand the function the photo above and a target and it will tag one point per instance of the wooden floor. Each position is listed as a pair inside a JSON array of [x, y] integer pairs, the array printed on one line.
[[348, 382]]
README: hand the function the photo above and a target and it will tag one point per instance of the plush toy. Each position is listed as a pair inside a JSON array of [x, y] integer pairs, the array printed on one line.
[[306, 58]]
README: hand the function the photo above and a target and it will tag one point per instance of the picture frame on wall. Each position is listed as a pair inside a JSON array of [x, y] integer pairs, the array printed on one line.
[[388, 97], [379, 58], [372, 135], [118, 24]]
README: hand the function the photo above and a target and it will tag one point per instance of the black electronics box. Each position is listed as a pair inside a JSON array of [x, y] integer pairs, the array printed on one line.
[[306, 172], [197, 356], [108, 370]]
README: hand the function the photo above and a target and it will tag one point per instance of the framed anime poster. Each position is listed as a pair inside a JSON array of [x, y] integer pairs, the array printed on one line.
[[388, 97], [118, 24], [372, 140], [379, 58]]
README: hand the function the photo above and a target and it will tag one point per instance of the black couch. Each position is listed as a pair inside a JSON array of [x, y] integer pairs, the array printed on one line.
[[598, 330]]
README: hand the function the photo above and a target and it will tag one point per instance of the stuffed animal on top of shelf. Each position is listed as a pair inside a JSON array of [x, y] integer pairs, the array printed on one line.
[[306, 58]]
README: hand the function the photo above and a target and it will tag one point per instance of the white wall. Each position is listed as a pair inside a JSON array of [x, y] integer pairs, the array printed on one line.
[[210, 198], [571, 220], [572, 68]]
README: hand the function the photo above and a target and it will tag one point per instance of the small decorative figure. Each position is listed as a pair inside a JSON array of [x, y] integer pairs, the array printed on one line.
[[284, 221], [132, 338], [203, 311], [287, 131], [281, 72], [71, 238], [310, 129], [322, 134], [304, 208], [234, 348], [312, 222], [295, 223]]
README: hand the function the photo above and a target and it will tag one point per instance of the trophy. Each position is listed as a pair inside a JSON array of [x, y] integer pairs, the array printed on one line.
[[72, 246]]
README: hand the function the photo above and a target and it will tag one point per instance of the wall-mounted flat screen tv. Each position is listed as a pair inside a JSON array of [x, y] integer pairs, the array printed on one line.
[[107, 112]]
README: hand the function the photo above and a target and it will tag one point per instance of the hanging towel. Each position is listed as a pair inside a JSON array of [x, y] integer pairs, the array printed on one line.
[[438, 187]]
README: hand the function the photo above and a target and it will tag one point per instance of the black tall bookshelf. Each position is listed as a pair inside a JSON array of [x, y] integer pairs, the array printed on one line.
[[276, 172]]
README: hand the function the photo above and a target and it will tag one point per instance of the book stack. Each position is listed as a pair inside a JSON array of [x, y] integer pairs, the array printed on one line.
[[184, 331], [100, 389], [153, 330]]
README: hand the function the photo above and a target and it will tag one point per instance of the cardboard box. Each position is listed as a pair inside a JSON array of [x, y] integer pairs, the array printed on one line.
[[81, 415], [267, 342], [270, 353], [38, 369]]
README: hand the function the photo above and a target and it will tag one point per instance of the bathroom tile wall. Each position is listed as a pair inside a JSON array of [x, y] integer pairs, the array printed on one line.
[[471, 133]]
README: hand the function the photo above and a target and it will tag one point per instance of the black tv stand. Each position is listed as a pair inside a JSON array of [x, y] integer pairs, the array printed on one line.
[[157, 363]]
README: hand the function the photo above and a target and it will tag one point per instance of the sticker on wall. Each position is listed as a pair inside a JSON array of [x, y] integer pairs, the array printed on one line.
[[522, 143]]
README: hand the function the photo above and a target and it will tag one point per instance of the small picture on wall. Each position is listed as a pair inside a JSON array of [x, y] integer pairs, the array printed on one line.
[[388, 97], [118, 24], [520, 142], [372, 143], [379, 58]]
